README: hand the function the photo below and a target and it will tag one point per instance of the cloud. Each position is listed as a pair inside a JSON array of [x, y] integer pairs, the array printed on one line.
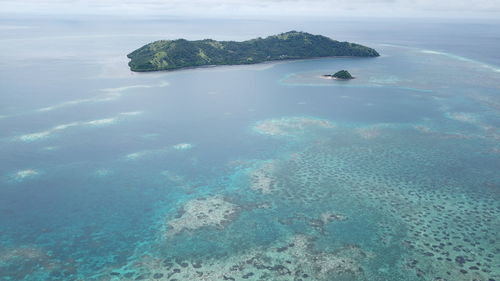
[[234, 8]]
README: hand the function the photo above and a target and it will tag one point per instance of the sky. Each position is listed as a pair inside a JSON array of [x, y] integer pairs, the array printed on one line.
[[258, 8]]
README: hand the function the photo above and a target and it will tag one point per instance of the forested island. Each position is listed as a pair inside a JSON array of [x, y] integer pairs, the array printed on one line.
[[181, 53]]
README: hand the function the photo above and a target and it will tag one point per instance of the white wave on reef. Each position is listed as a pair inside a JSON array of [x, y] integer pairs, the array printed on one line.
[[182, 146], [449, 55], [108, 121], [101, 122], [110, 95], [136, 155], [131, 113], [46, 133], [460, 58], [143, 153], [92, 123], [24, 175], [125, 88], [35, 136], [65, 126], [70, 103], [178, 147]]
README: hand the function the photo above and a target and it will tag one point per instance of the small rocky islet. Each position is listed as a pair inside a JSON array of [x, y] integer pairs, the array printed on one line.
[[340, 75]]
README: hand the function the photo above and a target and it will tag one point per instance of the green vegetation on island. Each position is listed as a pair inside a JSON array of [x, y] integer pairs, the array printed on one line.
[[342, 74], [181, 53]]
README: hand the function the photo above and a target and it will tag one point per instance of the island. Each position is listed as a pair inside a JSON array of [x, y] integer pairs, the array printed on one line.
[[181, 53], [341, 75]]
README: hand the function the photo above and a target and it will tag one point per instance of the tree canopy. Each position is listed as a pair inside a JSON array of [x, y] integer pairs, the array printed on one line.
[[343, 74]]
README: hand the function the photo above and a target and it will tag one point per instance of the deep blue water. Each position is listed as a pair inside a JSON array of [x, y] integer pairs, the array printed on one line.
[[260, 172]]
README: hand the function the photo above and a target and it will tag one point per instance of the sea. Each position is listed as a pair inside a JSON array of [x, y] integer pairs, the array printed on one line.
[[254, 172]]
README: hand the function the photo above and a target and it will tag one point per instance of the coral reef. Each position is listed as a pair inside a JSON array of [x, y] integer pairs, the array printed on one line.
[[204, 212], [295, 259], [262, 178], [22, 262], [443, 228], [291, 126], [369, 133]]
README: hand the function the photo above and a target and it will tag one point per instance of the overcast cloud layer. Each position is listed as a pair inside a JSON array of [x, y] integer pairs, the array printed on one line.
[[258, 8]]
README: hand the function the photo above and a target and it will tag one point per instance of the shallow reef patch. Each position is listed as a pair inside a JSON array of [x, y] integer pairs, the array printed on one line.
[[291, 126], [212, 211], [293, 259], [23, 175]]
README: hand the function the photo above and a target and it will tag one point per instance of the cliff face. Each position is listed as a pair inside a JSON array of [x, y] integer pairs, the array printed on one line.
[[181, 53]]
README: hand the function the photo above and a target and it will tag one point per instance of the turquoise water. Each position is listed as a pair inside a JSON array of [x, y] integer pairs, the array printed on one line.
[[260, 172]]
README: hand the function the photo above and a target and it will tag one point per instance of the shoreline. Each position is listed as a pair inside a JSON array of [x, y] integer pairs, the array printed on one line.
[[329, 77], [242, 64]]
